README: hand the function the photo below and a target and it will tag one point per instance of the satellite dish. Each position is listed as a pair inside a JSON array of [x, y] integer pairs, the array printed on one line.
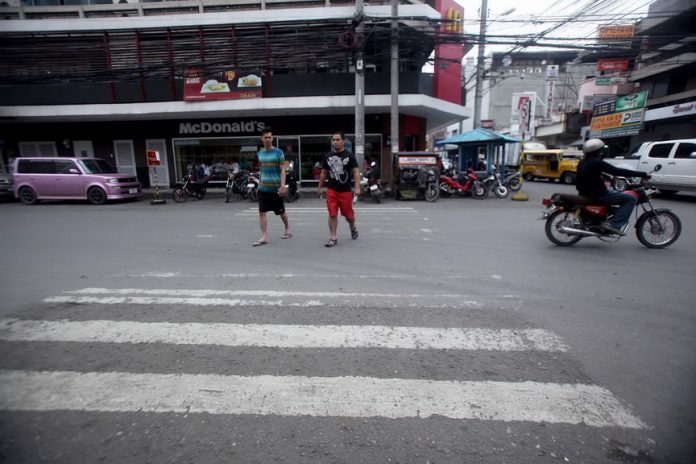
[[507, 60]]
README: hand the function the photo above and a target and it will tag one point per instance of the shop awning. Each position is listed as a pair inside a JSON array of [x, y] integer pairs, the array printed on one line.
[[478, 136]]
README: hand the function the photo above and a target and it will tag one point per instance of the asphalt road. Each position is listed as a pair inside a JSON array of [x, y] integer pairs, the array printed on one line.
[[448, 332]]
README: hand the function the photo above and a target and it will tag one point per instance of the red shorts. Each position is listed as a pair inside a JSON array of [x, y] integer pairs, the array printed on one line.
[[342, 200]]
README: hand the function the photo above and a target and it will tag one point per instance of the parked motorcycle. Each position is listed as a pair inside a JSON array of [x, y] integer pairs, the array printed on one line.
[[252, 186], [371, 184], [293, 193], [449, 185], [494, 183], [236, 185], [570, 218], [513, 181], [191, 186]]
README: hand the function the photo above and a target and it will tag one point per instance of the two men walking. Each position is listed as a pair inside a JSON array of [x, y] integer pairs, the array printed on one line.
[[339, 170]]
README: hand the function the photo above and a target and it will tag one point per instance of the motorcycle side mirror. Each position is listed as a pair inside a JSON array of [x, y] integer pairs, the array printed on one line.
[[657, 167]]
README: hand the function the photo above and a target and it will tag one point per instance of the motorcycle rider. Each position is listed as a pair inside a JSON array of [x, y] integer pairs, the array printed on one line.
[[590, 184]]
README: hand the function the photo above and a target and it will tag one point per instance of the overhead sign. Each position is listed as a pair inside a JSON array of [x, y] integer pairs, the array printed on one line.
[[674, 111], [619, 117], [610, 33], [522, 111], [612, 65], [227, 85], [552, 72], [617, 80]]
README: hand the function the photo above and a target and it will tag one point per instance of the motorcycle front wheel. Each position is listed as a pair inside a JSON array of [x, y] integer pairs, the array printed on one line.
[[200, 194], [432, 193], [228, 194], [553, 232], [444, 192], [659, 229], [515, 184], [252, 195], [501, 191], [179, 195]]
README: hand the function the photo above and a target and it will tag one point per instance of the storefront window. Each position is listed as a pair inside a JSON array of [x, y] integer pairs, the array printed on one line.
[[306, 151], [217, 153]]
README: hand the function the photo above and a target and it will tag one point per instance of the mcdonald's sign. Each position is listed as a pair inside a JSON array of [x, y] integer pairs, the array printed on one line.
[[454, 21]]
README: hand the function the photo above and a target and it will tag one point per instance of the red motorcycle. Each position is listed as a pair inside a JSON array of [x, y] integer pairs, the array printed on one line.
[[570, 218], [471, 185]]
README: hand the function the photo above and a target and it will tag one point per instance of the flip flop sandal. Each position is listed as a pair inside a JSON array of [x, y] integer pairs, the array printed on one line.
[[354, 234], [331, 243], [259, 243], [284, 236]]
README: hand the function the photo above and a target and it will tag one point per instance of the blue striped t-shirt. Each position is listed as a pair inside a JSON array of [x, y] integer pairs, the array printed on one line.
[[271, 162]]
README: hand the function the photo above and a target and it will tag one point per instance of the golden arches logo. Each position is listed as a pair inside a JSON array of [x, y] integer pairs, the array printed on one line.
[[454, 21]]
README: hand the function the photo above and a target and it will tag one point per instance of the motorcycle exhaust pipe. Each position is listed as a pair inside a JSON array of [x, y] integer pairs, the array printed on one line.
[[573, 231]]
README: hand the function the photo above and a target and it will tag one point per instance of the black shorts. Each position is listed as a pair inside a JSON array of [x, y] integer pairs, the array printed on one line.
[[271, 202]]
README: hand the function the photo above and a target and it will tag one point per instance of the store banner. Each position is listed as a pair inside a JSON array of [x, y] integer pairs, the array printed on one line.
[[619, 117], [612, 65], [522, 111], [615, 80], [227, 85]]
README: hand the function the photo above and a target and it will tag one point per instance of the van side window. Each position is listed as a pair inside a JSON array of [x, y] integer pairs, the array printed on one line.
[[684, 150], [660, 150], [64, 166], [35, 166]]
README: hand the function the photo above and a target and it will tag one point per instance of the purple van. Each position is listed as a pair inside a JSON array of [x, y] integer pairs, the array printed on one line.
[[71, 179]]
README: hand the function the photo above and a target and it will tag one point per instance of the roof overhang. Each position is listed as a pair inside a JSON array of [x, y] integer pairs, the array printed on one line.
[[436, 112]]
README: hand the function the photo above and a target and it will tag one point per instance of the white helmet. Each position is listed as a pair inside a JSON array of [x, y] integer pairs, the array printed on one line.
[[592, 146]]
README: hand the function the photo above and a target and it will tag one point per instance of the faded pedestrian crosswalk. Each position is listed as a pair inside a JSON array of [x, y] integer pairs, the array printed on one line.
[[339, 395], [244, 362]]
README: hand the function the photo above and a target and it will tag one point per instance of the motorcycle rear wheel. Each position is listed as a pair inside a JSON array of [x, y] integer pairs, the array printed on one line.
[[659, 229], [478, 190], [293, 197], [553, 233], [179, 195], [252, 195], [444, 192], [432, 193], [515, 184], [200, 194]]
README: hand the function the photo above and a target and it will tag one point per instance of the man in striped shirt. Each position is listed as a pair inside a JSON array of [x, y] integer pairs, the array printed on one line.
[[271, 185]]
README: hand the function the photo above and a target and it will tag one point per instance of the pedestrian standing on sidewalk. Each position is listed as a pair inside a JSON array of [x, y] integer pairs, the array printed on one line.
[[338, 168], [271, 185]]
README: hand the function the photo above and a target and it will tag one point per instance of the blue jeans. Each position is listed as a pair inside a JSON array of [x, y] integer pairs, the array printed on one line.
[[626, 203]]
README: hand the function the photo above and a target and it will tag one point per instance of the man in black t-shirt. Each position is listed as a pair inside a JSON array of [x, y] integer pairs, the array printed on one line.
[[338, 169]]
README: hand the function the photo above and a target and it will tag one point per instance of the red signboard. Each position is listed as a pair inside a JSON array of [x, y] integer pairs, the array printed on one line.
[[487, 124], [447, 83], [227, 85], [153, 158], [612, 65]]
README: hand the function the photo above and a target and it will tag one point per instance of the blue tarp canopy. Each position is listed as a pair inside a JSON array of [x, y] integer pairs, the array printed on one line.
[[478, 137], [468, 143]]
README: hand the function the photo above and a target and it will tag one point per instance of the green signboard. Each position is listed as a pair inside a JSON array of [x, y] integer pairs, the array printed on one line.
[[632, 101]]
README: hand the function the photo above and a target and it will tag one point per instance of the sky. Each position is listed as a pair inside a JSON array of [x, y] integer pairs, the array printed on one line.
[[547, 13]]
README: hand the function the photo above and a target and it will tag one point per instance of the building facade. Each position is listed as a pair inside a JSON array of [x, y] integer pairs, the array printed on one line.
[[197, 81]]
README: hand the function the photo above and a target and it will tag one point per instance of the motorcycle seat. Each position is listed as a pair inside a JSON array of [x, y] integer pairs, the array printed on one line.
[[571, 198]]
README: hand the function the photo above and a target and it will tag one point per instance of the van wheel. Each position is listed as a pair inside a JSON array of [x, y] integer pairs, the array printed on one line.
[[27, 196], [96, 196], [568, 178], [528, 176]]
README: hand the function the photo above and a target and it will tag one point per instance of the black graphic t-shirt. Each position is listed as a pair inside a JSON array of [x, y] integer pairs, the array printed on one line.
[[340, 166]]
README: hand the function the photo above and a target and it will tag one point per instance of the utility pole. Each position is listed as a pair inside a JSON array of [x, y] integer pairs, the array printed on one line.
[[359, 148], [480, 65], [394, 81]]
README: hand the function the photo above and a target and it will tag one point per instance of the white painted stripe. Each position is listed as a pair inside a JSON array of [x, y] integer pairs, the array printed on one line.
[[282, 336], [314, 396], [150, 300], [265, 293]]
